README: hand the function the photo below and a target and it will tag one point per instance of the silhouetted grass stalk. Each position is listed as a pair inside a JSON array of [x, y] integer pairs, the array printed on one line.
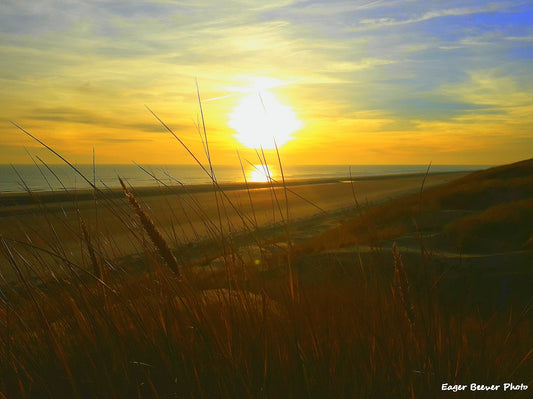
[[154, 234]]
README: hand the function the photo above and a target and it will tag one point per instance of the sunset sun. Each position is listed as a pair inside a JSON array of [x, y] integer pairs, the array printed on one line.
[[261, 121]]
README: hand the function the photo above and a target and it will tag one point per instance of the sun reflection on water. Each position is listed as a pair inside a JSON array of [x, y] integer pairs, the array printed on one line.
[[261, 174]]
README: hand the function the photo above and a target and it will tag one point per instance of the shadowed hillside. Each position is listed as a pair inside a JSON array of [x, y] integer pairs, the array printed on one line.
[[488, 211]]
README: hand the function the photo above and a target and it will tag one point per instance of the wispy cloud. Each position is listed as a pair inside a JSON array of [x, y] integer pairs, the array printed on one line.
[[381, 68], [384, 22]]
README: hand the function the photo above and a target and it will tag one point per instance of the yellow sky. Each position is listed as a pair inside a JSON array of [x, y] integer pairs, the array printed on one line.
[[369, 82]]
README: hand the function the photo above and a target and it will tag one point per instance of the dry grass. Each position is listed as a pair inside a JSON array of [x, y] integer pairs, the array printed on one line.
[[484, 231], [496, 202], [292, 325]]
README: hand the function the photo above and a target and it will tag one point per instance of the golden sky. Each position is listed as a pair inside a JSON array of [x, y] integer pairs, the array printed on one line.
[[368, 82]]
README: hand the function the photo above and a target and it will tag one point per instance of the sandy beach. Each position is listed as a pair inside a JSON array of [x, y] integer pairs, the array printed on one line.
[[188, 214]]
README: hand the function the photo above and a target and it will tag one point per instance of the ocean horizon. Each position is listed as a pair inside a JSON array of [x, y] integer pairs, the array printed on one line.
[[20, 178]]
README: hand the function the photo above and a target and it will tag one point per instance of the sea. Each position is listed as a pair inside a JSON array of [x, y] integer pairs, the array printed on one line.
[[40, 177]]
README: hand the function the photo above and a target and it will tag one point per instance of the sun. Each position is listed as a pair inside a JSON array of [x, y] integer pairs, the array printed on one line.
[[261, 121]]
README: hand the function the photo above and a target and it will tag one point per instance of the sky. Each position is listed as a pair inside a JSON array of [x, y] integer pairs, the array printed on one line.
[[368, 82]]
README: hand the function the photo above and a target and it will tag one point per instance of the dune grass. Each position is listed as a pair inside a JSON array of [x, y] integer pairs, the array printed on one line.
[[485, 211], [483, 231], [290, 323]]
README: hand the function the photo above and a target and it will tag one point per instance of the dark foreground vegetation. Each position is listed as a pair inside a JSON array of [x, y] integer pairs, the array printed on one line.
[[398, 300]]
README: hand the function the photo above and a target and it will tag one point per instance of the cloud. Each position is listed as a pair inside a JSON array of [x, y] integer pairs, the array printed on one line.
[[492, 89], [332, 8], [367, 63], [379, 66], [81, 116], [416, 17]]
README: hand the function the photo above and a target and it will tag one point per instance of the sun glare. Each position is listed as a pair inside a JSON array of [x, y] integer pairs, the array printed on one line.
[[261, 174], [261, 121]]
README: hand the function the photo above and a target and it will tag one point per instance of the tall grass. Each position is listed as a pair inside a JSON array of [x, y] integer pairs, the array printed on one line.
[[99, 322]]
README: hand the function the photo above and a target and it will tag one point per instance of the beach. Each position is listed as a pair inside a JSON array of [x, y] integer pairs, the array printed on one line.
[[186, 214]]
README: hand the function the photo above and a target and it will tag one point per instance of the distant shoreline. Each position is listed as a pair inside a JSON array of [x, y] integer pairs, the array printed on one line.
[[42, 179]]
